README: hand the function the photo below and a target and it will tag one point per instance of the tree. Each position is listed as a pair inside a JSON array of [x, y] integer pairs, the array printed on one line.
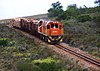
[[72, 11], [97, 2], [56, 11]]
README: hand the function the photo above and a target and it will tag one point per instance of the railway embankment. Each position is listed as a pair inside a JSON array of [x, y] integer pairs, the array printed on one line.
[[19, 51], [85, 36]]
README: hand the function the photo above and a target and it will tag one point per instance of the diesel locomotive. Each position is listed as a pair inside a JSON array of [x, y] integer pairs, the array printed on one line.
[[49, 31]]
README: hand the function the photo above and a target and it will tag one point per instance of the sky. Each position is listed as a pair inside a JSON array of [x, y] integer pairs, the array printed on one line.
[[19, 8]]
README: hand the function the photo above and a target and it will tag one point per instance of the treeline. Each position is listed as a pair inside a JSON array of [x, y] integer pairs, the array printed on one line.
[[73, 12]]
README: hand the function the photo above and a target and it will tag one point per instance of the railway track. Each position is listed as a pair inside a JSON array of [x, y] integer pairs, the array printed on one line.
[[86, 57], [80, 55]]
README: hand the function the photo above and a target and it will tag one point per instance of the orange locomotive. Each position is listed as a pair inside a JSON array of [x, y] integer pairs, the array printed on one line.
[[49, 31]]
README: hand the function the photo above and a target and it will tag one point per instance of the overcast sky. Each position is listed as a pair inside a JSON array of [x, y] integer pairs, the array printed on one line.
[[18, 8]]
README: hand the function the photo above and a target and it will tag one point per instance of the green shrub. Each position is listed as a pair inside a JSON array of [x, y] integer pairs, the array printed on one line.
[[83, 18], [11, 48], [65, 22], [3, 41], [11, 43], [97, 20], [8, 66], [98, 44], [27, 66], [48, 64]]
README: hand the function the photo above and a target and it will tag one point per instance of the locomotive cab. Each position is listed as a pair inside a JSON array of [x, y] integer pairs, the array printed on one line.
[[55, 32]]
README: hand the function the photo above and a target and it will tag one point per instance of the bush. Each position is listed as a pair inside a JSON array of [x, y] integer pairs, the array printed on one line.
[[83, 18], [27, 66], [3, 41], [48, 64], [97, 20], [65, 22], [98, 44]]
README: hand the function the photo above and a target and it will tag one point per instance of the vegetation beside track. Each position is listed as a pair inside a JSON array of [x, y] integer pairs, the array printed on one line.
[[18, 52], [84, 36], [81, 29]]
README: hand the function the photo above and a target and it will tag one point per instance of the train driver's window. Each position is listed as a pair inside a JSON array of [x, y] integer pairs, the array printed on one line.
[[48, 26], [52, 25], [56, 25]]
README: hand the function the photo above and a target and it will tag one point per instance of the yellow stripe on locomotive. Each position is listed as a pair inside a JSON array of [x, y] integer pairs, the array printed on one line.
[[55, 39]]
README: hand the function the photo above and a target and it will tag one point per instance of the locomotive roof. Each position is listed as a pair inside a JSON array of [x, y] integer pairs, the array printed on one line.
[[49, 22]]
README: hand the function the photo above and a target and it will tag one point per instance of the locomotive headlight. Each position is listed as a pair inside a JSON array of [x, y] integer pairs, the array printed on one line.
[[61, 40], [49, 40]]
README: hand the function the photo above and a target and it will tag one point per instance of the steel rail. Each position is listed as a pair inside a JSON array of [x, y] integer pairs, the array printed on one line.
[[81, 55]]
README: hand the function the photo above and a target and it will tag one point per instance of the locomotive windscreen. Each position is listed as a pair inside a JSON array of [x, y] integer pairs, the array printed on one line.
[[54, 25]]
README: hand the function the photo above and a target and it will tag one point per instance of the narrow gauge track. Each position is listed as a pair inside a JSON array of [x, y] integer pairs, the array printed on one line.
[[83, 56]]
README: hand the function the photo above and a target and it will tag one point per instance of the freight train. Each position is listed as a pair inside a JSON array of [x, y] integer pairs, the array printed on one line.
[[49, 31]]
